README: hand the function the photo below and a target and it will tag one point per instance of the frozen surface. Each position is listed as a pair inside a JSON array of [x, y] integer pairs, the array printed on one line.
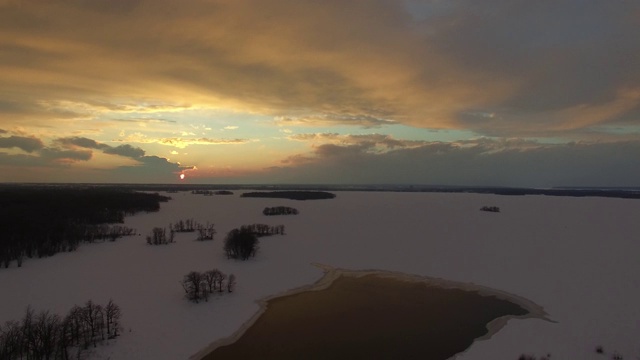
[[576, 257]]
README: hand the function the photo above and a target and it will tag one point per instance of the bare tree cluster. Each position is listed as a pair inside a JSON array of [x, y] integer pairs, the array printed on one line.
[[205, 232], [48, 336], [187, 225], [159, 236], [199, 286], [81, 232], [101, 232], [261, 230], [280, 210], [490, 208]]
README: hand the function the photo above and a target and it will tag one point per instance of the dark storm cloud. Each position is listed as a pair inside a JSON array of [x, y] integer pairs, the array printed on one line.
[[483, 162], [65, 155], [28, 144], [125, 150], [70, 150], [81, 142]]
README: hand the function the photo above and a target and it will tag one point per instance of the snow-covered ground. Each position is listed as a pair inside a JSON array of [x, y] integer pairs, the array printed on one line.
[[576, 257]]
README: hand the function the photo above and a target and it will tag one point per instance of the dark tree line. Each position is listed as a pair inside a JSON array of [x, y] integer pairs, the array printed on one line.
[[279, 210], [199, 286], [211, 192], [49, 336], [293, 195], [42, 221], [242, 243]]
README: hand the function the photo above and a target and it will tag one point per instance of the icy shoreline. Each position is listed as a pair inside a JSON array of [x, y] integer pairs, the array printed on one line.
[[331, 274]]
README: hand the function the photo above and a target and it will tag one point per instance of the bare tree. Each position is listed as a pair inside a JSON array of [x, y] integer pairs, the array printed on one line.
[[205, 232], [221, 277], [159, 236], [11, 340], [231, 283], [193, 284], [92, 316], [112, 315], [27, 330], [211, 278], [46, 333]]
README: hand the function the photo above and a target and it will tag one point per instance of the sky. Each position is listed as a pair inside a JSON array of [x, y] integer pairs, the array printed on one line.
[[436, 92]]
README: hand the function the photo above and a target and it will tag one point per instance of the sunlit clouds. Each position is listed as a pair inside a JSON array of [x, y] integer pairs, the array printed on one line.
[[267, 91]]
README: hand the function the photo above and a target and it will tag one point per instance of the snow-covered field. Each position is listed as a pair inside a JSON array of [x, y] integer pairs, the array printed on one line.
[[576, 257]]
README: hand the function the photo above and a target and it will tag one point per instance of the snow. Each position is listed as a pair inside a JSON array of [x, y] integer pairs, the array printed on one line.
[[575, 257]]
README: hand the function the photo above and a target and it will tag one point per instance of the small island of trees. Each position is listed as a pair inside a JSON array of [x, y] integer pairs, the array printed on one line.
[[490, 209], [199, 286], [279, 210], [242, 243]]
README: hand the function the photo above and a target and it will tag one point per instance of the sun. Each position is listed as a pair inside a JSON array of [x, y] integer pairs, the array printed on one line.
[[181, 176]]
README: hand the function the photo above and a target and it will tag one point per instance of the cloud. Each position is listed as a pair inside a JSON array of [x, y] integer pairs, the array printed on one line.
[[65, 156], [230, 127], [81, 142], [151, 169], [45, 158], [536, 65], [145, 121], [28, 144], [126, 151], [71, 150], [381, 142], [365, 121], [478, 162], [182, 143]]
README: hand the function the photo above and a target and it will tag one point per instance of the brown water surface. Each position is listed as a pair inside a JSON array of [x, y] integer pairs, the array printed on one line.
[[369, 317]]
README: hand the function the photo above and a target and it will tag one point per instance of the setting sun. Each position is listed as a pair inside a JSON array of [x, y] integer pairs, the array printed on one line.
[[181, 176]]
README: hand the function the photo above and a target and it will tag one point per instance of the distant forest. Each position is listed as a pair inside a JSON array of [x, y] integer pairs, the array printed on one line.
[[292, 195], [42, 221]]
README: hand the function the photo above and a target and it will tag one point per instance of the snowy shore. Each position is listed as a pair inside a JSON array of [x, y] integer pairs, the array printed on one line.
[[575, 257]]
